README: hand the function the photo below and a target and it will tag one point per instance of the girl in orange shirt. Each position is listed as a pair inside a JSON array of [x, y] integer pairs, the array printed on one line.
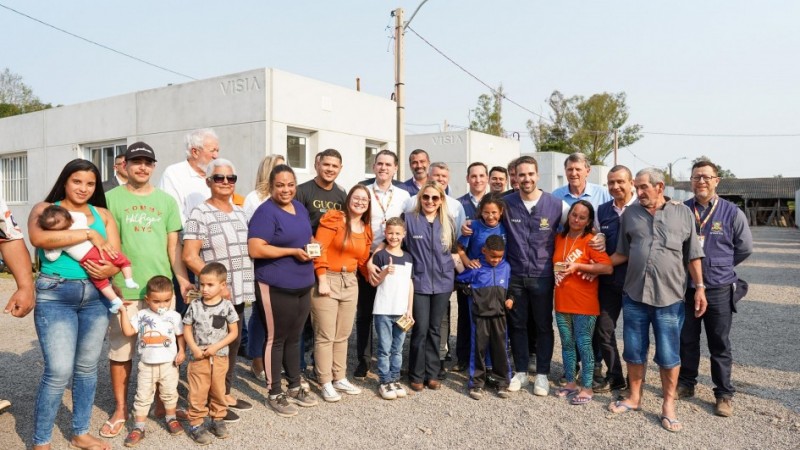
[[345, 237], [576, 303]]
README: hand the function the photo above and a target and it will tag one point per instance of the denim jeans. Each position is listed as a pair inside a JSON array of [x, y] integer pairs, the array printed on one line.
[[423, 355], [667, 322], [71, 322], [390, 348]]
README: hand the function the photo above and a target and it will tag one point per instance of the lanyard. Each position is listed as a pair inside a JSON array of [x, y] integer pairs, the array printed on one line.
[[380, 202], [702, 224]]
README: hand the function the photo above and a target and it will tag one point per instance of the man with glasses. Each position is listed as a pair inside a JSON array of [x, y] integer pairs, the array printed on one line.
[[149, 222], [120, 177], [726, 239]]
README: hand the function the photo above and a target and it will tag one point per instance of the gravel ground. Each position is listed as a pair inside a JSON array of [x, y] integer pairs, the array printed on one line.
[[766, 374]]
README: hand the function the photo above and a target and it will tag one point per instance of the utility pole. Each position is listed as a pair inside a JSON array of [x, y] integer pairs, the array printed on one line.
[[399, 87], [616, 146]]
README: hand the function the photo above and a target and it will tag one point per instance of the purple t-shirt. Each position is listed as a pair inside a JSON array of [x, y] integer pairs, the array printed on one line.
[[282, 229]]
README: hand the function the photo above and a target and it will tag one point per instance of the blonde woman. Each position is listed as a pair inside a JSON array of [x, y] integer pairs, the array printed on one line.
[[430, 236], [256, 197]]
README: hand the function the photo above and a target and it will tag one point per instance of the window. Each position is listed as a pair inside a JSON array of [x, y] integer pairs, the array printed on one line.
[[102, 155], [371, 148], [14, 178], [298, 148]]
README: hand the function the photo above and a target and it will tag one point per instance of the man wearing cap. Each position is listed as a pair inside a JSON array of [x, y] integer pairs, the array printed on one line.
[[149, 221], [727, 241]]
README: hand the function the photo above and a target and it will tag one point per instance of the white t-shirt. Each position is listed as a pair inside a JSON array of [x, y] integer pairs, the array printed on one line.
[[391, 297], [186, 186], [251, 204], [157, 339], [77, 251], [385, 205]]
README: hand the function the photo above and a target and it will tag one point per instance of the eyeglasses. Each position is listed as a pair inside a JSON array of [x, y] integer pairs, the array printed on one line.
[[431, 198], [703, 178], [361, 200], [219, 179]]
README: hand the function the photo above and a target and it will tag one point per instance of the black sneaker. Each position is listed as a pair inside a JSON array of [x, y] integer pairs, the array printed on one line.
[[200, 435], [617, 384], [361, 371], [231, 417], [280, 404], [442, 371], [301, 397], [241, 405], [218, 429]]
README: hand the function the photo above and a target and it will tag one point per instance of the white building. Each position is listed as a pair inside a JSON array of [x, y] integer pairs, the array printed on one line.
[[459, 149], [255, 113], [551, 171]]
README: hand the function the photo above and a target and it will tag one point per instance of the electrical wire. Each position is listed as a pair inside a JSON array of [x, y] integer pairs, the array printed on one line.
[[96, 43]]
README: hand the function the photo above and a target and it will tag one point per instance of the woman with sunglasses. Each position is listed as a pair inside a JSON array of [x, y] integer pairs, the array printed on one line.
[[430, 236], [280, 230], [216, 231], [345, 237]]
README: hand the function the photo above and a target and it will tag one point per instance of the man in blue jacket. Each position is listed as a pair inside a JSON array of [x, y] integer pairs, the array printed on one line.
[[725, 236]]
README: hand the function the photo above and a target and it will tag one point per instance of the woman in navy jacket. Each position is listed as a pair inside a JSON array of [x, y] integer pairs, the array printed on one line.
[[430, 236]]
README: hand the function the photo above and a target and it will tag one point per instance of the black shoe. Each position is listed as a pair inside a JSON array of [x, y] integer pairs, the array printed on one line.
[[684, 392], [361, 371], [231, 417], [241, 405], [448, 357], [442, 371], [601, 385], [617, 384]]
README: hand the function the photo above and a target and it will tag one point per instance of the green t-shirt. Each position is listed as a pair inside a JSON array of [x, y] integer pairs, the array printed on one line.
[[144, 222]]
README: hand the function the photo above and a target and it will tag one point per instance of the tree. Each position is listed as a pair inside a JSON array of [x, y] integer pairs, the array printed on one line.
[[577, 124], [722, 173], [489, 113], [16, 97]]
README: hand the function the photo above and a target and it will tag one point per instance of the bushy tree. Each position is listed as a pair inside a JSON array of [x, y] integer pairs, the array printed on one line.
[[578, 124], [16, 97], [489, 113]]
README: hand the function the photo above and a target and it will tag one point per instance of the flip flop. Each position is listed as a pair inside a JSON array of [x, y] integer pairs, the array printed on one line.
[[111, 426], [671, 423], [566, 392], [626, 408], [578, 400]]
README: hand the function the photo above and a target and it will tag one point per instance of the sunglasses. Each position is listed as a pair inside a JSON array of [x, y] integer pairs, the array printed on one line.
[[219, 179], [431, 198]]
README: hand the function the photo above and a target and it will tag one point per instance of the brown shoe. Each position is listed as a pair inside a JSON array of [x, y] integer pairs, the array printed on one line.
[[134, 437], [174, 427], [434, 384], [416, 386], [724, 407], [683, 392]]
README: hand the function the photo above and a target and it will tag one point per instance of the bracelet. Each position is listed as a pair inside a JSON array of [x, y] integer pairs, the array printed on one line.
[[698, 286], [88, 233]]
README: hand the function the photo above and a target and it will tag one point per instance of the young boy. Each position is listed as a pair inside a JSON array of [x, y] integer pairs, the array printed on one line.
[[488, 302], [209, 326], [161, 352], [56, 217], [394, 299]]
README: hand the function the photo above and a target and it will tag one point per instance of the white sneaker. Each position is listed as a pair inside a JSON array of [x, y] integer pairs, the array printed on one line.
[[541, 386], [329, 394], [518, 381], [345, 386], [398, 389], [386, 391], [130, 284]]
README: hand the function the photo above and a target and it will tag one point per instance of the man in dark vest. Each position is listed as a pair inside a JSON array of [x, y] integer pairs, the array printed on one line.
[[723, 231], [620, 186]]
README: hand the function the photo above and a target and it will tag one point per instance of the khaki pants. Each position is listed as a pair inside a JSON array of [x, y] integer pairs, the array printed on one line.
[[165, 376], [332, 316], [207, 389]]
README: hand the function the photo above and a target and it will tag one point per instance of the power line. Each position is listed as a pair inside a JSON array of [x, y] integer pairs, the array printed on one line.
[[96, 43], [744, 135]]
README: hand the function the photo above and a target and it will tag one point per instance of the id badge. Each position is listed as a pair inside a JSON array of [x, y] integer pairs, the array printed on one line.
[[702, 240]]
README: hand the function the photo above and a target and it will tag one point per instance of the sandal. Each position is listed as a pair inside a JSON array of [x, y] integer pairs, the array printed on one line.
[[625, 408], [580, 400], [566, 392], [672, 425], [112, 426]]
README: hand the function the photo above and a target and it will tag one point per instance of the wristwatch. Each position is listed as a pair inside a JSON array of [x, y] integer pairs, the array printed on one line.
[[698, 286]]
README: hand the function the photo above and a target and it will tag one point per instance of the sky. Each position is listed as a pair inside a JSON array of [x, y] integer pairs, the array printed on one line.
[[687, 67]]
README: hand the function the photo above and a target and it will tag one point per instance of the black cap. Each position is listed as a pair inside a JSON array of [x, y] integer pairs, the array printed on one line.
[[140, 150]]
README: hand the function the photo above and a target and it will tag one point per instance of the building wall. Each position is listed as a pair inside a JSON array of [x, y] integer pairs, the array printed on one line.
[[459, 149], [251, 112]]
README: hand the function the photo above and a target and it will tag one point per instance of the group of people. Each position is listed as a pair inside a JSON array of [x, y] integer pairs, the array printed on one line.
[[187, 256]]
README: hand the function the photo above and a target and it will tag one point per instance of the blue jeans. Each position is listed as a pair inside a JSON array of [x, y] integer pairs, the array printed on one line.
[[71, 322], [667, 323], [390, 348]]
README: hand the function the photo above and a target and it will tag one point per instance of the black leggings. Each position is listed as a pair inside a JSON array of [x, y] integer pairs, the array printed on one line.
[[283, 313]]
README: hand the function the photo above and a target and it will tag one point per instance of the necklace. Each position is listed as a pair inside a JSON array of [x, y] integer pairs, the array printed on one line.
[[564, 255]]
